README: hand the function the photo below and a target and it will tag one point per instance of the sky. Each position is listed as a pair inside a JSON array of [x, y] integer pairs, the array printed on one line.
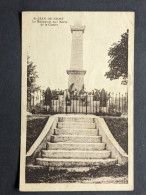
[[49, 47]]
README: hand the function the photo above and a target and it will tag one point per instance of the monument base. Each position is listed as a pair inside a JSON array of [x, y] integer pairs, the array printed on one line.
[[76, 77]]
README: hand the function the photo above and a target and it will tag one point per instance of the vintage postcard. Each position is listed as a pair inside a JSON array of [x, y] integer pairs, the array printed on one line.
[[77, 101]]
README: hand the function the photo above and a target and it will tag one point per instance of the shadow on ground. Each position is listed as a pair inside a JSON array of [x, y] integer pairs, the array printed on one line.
[[110, 174]]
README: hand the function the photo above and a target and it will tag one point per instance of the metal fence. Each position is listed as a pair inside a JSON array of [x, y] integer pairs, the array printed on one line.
[[98, 103], [111, 104]]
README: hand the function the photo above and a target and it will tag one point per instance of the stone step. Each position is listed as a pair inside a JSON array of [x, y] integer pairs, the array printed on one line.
[[76, 139], [74, 125], [75, 163], [87, 132], [76, 146], [76, 154], [76, 119]]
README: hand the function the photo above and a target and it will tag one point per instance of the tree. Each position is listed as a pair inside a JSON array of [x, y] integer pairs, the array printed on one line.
[[32, 74], [48, 97], [103, 98], [118, 63]]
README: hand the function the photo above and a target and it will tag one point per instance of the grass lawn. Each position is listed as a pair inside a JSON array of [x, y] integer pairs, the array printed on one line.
[[35, 125], [119, 129]]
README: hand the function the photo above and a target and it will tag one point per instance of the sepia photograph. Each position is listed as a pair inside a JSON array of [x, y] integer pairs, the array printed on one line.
[[77, 95]]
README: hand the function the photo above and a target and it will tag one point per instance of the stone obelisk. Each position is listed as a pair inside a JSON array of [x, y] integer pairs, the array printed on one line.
[[76, 72]]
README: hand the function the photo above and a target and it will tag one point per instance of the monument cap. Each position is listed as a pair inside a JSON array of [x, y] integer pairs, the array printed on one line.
[[77, 28]]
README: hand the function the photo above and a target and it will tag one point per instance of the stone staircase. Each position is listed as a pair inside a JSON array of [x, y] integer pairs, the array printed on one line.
[[75, 144]]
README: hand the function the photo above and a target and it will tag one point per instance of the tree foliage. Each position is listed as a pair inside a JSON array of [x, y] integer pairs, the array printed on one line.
[[48, 96], [32, 74], [118, 63]]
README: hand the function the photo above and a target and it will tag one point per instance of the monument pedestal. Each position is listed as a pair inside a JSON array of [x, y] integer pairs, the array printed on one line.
[[76, 77]]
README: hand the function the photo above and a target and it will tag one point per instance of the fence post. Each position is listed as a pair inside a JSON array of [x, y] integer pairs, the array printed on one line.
[[73, 102], [52, 105], [109, 102], [127, 102], [106, 102], [76, 104], [66, 105], [86, 102], [93, 102], [122, 103], [79, 102], [116, 103], [119, 102]]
